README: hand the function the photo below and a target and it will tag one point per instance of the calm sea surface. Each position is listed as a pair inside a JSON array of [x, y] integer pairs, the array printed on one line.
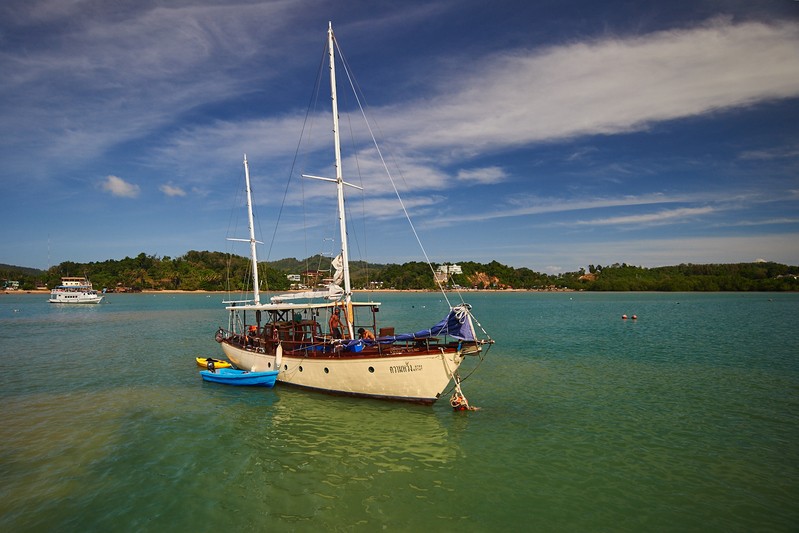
[[684, 420]]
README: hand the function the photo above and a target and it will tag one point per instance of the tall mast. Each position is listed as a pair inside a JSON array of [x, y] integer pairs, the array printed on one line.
[[256, 294], [342, 220]]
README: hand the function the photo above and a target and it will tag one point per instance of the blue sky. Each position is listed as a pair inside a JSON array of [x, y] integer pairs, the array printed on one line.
[[541, 134]]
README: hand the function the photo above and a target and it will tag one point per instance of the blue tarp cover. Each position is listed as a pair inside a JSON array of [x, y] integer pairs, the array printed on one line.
[[456, 324]]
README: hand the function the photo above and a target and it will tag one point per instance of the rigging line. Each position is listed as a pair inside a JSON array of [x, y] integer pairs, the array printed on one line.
[[305, 124], [402, 176], [355, 234], [467, 376], [364, 254], [390, 177], [356, 92], [478, 323], [315, 101], [234, 220], [457, 290], [262, 267]]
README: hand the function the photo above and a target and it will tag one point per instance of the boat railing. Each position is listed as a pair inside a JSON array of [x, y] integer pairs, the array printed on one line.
[[306, 337]]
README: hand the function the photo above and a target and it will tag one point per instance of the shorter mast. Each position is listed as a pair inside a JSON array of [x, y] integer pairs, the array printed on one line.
[[256, 290]]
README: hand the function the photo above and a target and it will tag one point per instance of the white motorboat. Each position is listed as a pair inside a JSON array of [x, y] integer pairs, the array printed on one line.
[[74, 290]]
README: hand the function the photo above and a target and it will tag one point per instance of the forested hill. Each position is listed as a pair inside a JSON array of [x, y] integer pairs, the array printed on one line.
[[17, 270], [216, 271]]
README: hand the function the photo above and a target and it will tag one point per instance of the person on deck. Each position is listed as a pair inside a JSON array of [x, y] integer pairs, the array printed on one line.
[[252, 332], [365, 334], [335, 324]]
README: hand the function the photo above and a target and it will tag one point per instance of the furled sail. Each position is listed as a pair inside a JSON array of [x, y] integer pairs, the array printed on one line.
[[338, 264], [332, 292]]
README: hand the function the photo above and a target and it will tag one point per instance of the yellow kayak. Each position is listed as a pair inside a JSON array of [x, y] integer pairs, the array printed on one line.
[[218, 363]]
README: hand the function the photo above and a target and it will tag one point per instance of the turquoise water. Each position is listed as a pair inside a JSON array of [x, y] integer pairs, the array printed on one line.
[[686, 419]]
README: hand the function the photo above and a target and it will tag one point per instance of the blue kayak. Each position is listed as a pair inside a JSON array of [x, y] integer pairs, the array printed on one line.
[[231, 376]]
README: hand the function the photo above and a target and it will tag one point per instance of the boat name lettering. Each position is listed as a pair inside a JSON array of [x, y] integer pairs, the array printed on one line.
[[407, 367]]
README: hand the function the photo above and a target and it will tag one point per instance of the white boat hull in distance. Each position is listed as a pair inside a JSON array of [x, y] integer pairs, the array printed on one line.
[[72, 299], [75, 290], [415, 378]]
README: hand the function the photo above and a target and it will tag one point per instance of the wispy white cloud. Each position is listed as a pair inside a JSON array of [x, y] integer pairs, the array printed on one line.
[[771, 153], [486, 175], [176, 59], [171, 190], [606, 86], [691, 205], [119, 187], [377, 208], [527, 204], [762, 222], [684, 214], [106, 78], [610, 85], [582, 153]]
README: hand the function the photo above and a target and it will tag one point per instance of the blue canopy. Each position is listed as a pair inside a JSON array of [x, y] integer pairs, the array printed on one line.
[[456, 324]]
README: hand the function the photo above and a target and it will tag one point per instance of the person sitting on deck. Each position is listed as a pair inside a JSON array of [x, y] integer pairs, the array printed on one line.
[[365, 334], [335, 324], [252, 331]]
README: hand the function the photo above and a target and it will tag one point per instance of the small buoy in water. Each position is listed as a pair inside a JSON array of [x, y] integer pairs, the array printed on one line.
[[635, 317], [624, 317]]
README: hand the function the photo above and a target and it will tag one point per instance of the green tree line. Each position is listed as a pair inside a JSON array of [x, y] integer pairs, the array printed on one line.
[[217, 271]]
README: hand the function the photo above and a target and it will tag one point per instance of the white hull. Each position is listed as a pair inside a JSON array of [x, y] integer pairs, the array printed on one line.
[[415, 378], [74, 302], [75, 298], [75, 291]]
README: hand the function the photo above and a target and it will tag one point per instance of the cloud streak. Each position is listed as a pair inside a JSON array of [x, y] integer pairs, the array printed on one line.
[[682, 215], [111, 76], [120, 188], [171, 190], [533, 96], [611, 85]]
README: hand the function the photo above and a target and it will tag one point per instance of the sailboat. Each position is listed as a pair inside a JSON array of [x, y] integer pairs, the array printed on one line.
[[325, 340]]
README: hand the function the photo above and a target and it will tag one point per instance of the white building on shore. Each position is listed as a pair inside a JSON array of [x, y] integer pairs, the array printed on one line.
[[444, 272]]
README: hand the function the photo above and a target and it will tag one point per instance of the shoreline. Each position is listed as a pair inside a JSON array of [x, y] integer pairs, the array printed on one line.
[[356, 291]]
